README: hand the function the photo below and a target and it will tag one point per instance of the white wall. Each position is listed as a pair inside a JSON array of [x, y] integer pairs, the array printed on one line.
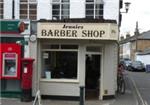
[[143, 58], [81, 64], [44, 9], [7, 9], [17, 8], [35, 76], [59, 88], [127, 50], [71, 88], [109, 69], [111, 9], [77, 8]]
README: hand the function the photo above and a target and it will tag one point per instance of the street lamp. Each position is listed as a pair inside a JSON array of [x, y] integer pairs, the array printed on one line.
[[127, 5]]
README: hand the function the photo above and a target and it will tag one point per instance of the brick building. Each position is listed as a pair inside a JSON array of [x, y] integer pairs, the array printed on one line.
[[130, 46]]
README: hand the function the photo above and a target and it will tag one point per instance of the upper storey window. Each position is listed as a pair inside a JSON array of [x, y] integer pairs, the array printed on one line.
[[94, 9], [28, 9], [1, 8], [60, 9]]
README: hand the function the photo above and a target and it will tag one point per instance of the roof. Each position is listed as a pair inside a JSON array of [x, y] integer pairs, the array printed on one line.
[[145, 35], [80, 20], [145, 52], [142, 36]]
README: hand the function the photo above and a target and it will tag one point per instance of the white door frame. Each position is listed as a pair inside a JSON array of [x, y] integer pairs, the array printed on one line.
[[101, 68]]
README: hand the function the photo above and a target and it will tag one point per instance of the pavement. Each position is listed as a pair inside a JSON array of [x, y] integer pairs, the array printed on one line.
[[129, 98]]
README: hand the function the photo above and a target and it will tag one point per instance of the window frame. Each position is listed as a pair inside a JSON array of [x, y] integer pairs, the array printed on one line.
[[29, 9], [4, 73], [61, 9], [1, 9], [94, 9], [74, 80]]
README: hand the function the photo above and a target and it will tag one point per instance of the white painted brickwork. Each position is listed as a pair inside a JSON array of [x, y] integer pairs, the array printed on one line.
[[77, 9]]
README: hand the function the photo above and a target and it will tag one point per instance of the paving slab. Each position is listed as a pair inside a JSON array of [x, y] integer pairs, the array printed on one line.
[[128, 98]]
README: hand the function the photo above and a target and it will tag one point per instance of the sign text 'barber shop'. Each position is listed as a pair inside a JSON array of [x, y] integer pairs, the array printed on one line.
[[72, 31], [96, 31]]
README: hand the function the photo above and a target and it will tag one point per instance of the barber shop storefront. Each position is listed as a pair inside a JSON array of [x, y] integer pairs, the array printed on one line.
[[74, 54]]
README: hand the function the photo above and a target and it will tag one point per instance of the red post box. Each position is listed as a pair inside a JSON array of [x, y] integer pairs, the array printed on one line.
[[26, 83]]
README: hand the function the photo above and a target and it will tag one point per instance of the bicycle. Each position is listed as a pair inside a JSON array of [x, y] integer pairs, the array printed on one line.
[[121, 84]]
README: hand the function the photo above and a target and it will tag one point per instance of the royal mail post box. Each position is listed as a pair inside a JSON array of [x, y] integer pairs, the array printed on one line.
[[10, 60], [26, 82]]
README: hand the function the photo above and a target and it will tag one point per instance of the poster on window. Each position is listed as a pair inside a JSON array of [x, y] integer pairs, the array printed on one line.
[[10, 64]]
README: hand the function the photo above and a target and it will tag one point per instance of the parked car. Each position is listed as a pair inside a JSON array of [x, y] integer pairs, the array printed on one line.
[[136, 66], [125, 62]]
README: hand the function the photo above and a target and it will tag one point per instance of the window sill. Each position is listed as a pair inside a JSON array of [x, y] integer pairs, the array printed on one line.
[[60, 80]]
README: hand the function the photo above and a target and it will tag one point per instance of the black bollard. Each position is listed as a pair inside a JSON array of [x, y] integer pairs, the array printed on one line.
[[82, 95]]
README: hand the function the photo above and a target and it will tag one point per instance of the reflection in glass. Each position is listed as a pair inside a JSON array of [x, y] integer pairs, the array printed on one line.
[[9, 64], [10, 67], [61, 64]]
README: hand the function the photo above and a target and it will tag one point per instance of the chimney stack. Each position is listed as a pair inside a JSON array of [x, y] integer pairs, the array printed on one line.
[[137, 29], [127, 35], [122, 38]]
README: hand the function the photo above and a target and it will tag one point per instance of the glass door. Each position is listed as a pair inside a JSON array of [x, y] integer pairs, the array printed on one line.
[[92, 76]]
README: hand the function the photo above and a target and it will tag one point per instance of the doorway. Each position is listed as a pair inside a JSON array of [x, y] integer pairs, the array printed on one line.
[[92, 81]]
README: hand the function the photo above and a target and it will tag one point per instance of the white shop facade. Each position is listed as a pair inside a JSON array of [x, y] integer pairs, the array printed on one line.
[[73, 54]]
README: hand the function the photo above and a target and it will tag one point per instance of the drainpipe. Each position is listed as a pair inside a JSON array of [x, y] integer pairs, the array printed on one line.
[[13, 9]]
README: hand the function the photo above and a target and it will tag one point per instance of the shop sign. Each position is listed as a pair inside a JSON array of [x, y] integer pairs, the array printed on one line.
[[10, 55], [95, 31], [14, 27]]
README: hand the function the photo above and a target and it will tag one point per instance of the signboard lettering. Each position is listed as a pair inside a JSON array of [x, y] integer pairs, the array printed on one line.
[[59, 33], [72, 26], [92, 33], [14, 27], [77, 31], [72, 33]]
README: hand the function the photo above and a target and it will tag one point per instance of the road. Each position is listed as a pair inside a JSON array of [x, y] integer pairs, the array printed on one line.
[[137, 93], [141, 82]]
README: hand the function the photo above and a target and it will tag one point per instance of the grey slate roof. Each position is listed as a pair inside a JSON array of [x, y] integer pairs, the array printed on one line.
[[80, 20], [145, 35], [142, 36], [145, 52]]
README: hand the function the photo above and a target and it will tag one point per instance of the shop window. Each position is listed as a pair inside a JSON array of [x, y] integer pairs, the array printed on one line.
[[94, 9], [94, 49], [59, 64], [59, 61], [69, 47], [57, 46], [60, 9]]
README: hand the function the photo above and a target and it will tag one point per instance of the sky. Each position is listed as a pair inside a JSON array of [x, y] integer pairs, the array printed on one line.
[[139, 11]]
